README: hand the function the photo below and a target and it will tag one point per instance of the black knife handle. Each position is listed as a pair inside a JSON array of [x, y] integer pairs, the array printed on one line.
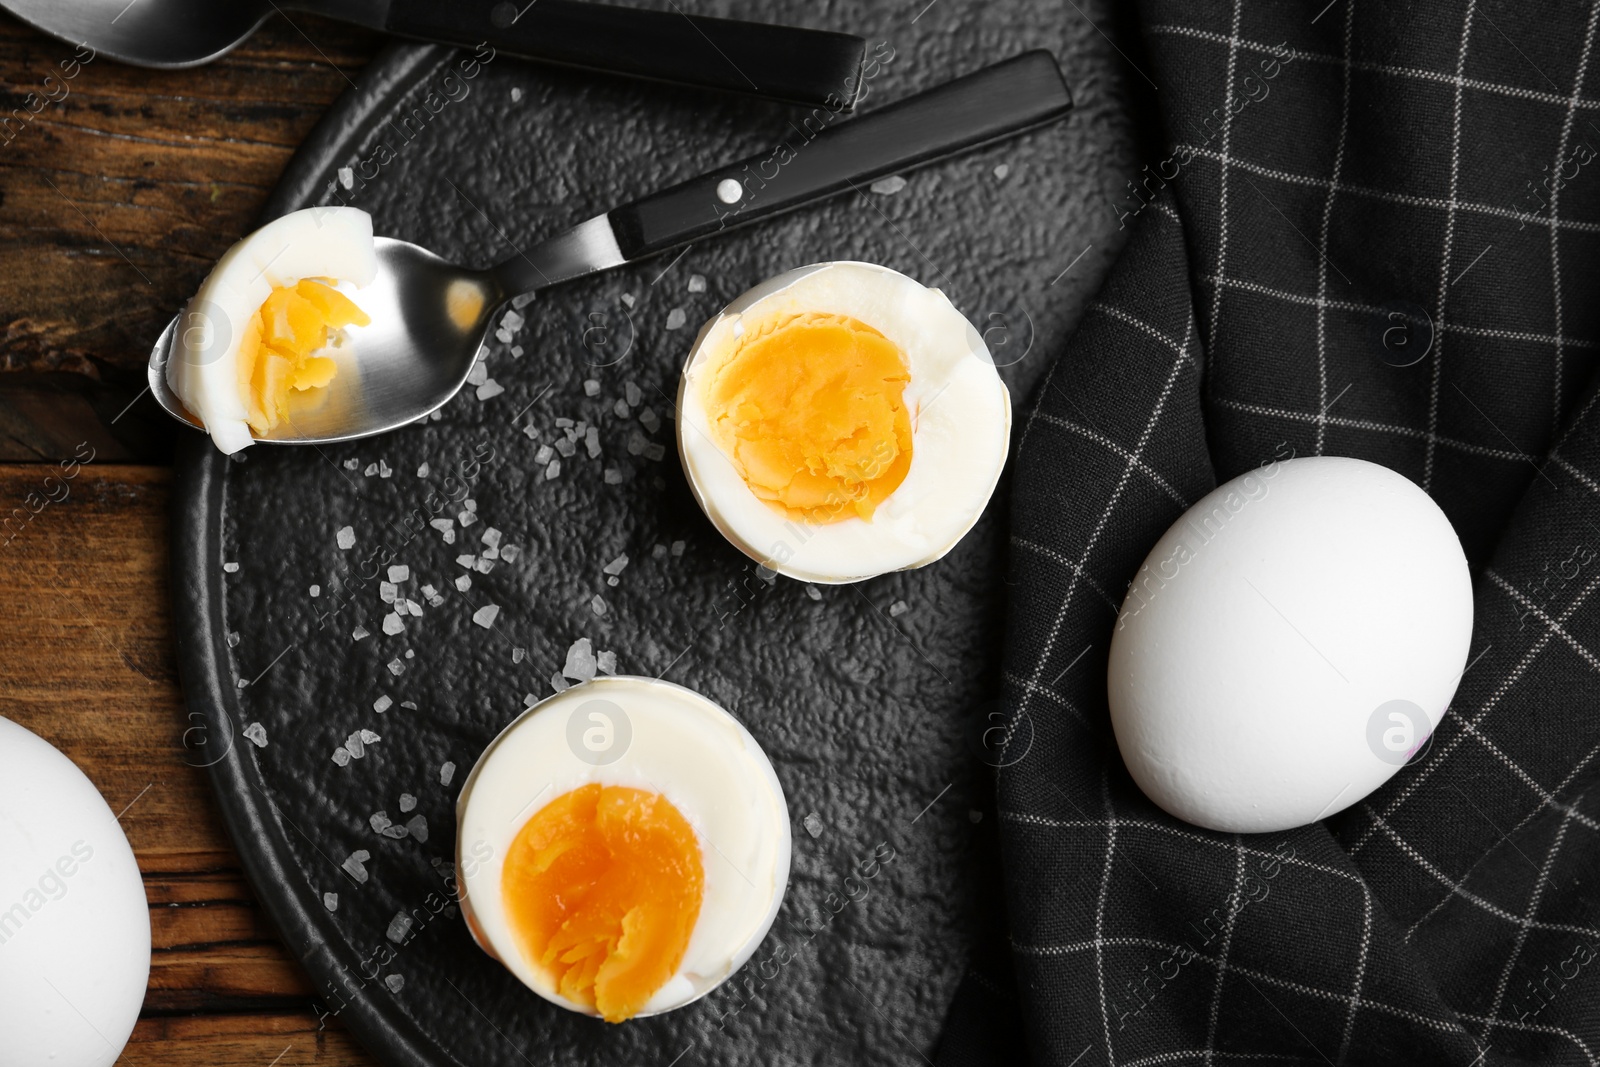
[[827, 154], [787, 63]]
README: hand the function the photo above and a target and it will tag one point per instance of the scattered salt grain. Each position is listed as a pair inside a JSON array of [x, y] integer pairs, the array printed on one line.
[[399, 927], [409, 705], [513, 320], [341, 756], [632, 393], [613, 476], [510, 553], [606, 662], [658, 552], [346, 538], [898, 608], [396, 668], [352, 464], [422, 470], [655, 453], [387, 592], [392, 624], [1001, 170], [347, 177], [567, 448], [397, 982], [359, 632], [468, 517], [542, 456], [316, 590], [677, 548], [813, 592], [355, 865], [888, 186], [446, 526], [558, 683], [650, 420], [382, 704], [813, 824], [580, 666], [621, 408], [230, 568], [598, 605], [464, 583], [417, 827], [591, 441], [485, 615], [518, 654], [591, 387], [636, 443], [676, 318], [447, 771], [697, 283], [384, 470], [491, 537], [616, 566], [553, 471], [257, 734], [372, 468], [484, 565], [233, 639], [516, 94], [399, 573], [330, 901], [467, 560], [627, 298], [408, 802], [490, 389], [379, 821]]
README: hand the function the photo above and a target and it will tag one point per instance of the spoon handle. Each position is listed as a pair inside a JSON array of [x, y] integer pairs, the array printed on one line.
[[825, 154], [787, 63]]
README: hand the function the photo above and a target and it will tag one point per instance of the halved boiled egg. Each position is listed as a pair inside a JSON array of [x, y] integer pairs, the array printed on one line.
[[622, 847], [841, 421], [255, 331]]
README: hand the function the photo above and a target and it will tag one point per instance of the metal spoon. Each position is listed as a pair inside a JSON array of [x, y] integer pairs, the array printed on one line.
[[430, 317], [780, 62]]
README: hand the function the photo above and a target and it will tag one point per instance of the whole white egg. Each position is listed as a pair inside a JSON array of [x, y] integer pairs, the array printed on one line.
[[74, 924], [1288, 644]]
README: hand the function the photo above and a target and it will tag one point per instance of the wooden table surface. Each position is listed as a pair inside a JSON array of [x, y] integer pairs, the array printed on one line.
[[115, 198]]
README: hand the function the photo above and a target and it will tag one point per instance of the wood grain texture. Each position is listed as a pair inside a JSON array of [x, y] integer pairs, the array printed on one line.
[[114, 201], [86, 662]]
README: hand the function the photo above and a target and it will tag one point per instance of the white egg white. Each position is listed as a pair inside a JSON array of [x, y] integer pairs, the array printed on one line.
[[960, 414], [671, 741], [318, 242]]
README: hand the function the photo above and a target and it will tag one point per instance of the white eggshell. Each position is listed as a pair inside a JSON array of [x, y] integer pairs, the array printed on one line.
[[74, 924], [1288, 643]]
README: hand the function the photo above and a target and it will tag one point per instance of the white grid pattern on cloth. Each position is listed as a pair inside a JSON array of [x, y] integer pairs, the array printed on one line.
[[1140, 451]]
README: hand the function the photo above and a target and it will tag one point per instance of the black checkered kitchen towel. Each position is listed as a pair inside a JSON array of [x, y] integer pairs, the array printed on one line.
[[1323, 164]]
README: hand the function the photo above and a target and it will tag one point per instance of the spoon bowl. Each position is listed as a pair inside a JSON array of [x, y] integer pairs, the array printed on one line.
[[429, 318]]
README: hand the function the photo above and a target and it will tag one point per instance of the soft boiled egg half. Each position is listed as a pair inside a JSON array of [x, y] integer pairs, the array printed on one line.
[[841, 421], [622, 847], [258, 330]]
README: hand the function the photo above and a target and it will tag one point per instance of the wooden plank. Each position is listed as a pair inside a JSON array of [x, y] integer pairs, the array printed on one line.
[[116, 198], [276, 1039], [86, 662]]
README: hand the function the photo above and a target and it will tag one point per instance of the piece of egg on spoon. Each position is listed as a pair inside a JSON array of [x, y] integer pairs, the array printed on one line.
[[257, 331], [622, 847], [841, 421]]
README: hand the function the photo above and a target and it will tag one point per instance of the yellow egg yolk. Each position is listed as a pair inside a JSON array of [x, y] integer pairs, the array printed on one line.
[[812, 412], [275, 354], [603, 888]]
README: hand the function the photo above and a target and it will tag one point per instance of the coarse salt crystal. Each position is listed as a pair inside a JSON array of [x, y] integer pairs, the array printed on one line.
[[542, 456], [422, 470], [899, 607], [485, 615], [888, 186], [677, 548], [341, 756], [400, 572], [813, 592], [467, 560], [372, 468], [417, 826], [355, 864], [491, 537], [399, 927], [386, 592], [397, 982], [230, 568], [558, 683], [616, 566], [382, 704], [580, 665], [650, 420], [447, 771], [464, 582], [346, 537], [316, 590], [676, 318], [396, 668], [697, 283], [407, 802], [613, 476], [552, 471], [257, 734], [510, 553], [598, 604], [621, 408], [606, 662], [489, 389], [591, 441], [330, 901], [591, 387], [359, 632]]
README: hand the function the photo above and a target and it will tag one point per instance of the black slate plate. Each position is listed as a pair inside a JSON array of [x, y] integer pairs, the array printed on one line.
[[864, 696]]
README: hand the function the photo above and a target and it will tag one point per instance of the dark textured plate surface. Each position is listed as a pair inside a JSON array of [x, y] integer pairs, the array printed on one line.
[[864, 696]]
